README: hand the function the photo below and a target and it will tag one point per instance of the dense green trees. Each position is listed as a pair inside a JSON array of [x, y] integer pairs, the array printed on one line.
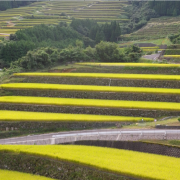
[[12, 51], [43, 32], [90, 28], [38, 36], [103, 52], [175, 38], [12, 4], [139, 14], [110, 52], [166, 8], [60, 36]]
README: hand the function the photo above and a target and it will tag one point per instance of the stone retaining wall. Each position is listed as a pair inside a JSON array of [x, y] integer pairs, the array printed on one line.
[[135, 146], [89, 110], [104, 82], [98, 95], [55, 169]]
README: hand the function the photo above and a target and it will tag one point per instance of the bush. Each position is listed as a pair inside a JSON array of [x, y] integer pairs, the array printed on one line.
[[179, 119], [37, 59], [109, 52]]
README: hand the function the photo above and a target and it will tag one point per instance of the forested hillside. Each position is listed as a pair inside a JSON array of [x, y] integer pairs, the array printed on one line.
[[166, 8], [13, 4]]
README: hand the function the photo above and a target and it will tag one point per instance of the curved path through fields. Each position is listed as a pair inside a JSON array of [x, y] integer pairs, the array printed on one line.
[[98, 134]]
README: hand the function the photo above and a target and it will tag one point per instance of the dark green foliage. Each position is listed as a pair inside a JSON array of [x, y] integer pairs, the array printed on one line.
[[139, 13], [72, 54], [14, 50], [90, 28], [13, 4], [166, 8], [172, 52], [174, 46], [43, 32], [110, 52], [37, 59], [175, 39], [39, 36]]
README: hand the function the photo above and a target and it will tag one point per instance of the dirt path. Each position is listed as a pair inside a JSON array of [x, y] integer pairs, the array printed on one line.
[[152, 56]]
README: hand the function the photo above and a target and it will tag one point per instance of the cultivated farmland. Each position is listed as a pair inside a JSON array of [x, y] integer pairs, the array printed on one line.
[[128, 163], [14, 175], [56, 12], [73, 101], [157, 28]]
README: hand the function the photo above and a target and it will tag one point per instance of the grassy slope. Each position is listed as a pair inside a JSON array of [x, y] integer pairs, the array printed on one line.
[[170, 122]]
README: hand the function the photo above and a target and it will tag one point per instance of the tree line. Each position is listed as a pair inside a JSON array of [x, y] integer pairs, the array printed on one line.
[[58, 36], [13, 4], [102, 52], [166, 8], [90, 28]]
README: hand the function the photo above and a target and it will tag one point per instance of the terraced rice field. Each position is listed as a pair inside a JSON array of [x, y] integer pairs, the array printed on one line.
[[131, 64], [157, 28], [86, 88], [172, 56], [14, 175], [37, 116], [103, 75], [124, 162], [90, 103], [52, 13], [32, 110]]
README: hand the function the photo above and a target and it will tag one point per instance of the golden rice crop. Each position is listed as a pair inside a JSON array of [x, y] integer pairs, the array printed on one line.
[[105, 75], [131, 64], [38, 116], [130, 163], [149, 50], [14, 175], [65, 87], [174, 56], [155, 47], [91, 103]]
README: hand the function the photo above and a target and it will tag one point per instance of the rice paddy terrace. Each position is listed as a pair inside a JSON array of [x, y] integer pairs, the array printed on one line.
[[53, 12], [157, 28], [49, 102]]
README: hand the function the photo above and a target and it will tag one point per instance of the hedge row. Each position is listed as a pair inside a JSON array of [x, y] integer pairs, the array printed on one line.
[[104, 82], [98, 95]]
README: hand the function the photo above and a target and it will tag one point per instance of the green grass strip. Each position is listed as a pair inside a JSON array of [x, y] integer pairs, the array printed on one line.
[[132, 64], [65, 87], [14, 175], [124, 162], [104, 75], [91, 103], [39, 116]]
